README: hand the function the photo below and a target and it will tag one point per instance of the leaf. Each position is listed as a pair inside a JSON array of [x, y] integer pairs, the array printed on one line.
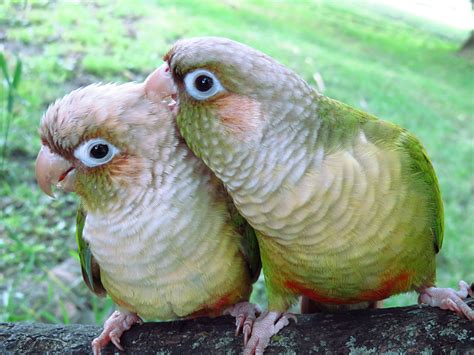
[[10, 102], [17, 73], [3, 66]]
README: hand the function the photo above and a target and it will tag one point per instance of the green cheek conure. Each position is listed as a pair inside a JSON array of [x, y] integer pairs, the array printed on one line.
[[156, 230], [346, 207]]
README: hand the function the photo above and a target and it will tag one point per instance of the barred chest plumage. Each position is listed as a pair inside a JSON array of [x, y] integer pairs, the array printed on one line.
[[167, 251]]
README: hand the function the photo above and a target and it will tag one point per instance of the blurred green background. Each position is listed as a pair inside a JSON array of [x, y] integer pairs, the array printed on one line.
[[401, 64]]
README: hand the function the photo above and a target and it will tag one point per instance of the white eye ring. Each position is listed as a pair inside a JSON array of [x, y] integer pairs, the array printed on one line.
[[191, 80], [86, 151]]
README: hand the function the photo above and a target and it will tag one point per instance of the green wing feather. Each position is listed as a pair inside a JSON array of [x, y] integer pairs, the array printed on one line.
[[421, 165], [388, 134], [249, 245], [89, 266], [344, 122]]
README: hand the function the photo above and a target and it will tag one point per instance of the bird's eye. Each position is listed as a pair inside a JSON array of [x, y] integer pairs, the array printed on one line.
[[95, 152], [202, 84], [99, 151]]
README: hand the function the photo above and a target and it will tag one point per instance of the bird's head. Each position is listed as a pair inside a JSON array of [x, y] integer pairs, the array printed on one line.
[[229, 90], [101, 140]]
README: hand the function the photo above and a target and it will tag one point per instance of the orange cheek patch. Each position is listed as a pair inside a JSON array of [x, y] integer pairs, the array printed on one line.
[[239, 114], [124, 168]]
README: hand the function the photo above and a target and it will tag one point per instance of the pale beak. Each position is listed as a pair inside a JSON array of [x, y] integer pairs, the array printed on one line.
[[52, 169], [160, 87]]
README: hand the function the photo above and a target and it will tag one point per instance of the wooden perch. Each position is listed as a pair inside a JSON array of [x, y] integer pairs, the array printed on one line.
[[407, 329]]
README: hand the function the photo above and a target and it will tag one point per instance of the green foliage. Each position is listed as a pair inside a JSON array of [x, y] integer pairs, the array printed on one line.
[[10, 86], [398, 67]]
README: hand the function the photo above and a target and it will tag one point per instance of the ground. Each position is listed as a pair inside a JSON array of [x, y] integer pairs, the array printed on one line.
[[396, 66]]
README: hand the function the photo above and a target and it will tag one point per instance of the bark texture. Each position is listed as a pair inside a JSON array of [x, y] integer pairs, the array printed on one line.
[[411, 329], [468, 45]]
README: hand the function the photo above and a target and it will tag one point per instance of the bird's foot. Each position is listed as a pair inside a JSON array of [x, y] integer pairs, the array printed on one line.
[[114, 327], [245, 314], [447, 298], [266, 325]]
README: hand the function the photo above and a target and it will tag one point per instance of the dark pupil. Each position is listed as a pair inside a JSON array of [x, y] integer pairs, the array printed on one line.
[[204, 83], [99, 151]]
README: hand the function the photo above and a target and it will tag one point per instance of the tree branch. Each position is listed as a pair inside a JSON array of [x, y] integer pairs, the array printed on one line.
[[411, 329]]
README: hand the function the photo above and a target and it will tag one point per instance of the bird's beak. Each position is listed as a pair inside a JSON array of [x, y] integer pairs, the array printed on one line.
[[51, 169], [160, 87]]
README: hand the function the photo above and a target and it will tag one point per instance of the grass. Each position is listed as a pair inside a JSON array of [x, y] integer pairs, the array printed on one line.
[[398, 67], [10, 86]]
